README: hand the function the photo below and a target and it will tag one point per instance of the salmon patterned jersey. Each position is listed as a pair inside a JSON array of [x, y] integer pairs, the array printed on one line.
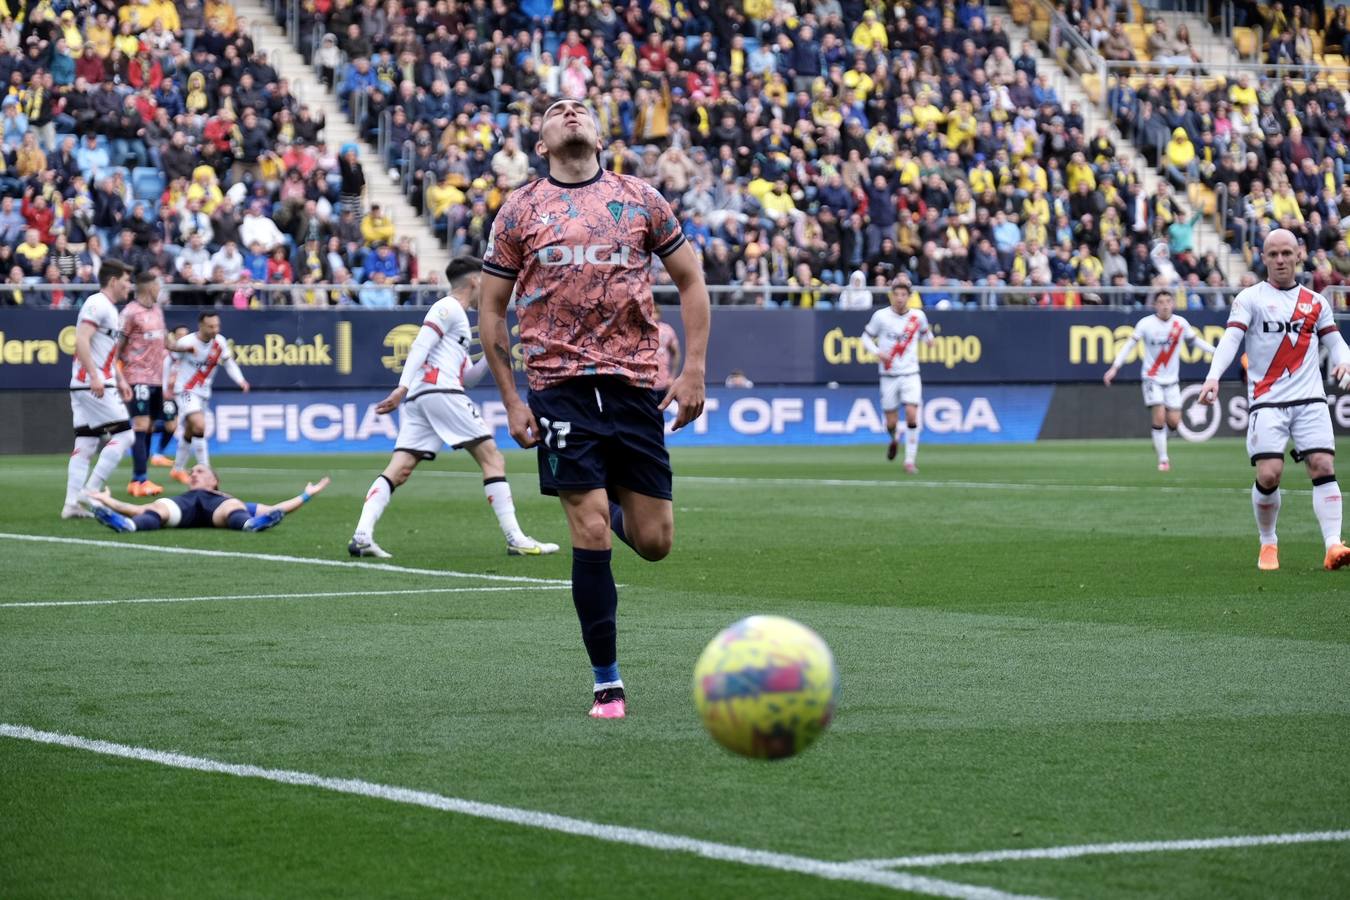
[[143, 352], [580, 255]]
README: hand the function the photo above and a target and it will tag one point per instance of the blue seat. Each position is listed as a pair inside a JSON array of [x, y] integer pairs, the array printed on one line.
[[148, 183]]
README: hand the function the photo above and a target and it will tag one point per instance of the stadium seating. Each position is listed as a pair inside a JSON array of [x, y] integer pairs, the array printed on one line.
[[687, 96], [129, 120]]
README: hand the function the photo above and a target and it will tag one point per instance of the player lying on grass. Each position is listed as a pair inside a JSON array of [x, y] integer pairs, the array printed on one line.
[[203, 505]]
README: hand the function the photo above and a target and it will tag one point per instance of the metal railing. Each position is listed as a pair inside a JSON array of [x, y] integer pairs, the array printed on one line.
[[256, 295]]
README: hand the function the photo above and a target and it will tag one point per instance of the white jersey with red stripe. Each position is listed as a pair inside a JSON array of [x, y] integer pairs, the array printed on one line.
[[1284, 330], [101, 312], [1162, 340], [897, 337], [448, 358], [199, 363]]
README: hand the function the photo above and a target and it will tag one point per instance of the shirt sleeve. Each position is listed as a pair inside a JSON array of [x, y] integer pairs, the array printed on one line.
[[873, 326], [1326, 323], [664, 235], [1240, 314], [504, 254]]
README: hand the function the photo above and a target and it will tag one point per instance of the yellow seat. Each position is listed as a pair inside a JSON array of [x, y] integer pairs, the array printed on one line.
[[1092, 86], [1333, 61], [1245, 41], [1316, 39]]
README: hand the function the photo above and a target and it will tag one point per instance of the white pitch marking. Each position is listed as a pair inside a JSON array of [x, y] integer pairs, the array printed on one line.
[[276, 557], [637, 837], [358, 593], [1116, 849], [895, 483]]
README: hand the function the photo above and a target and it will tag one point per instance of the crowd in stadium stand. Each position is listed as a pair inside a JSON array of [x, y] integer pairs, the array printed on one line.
[[916, 145], [1268, 147], [825, 145], [158, 135]]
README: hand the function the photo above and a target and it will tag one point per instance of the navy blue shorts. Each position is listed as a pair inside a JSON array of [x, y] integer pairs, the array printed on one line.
[[601, 432], [147, 400], [198, 506]]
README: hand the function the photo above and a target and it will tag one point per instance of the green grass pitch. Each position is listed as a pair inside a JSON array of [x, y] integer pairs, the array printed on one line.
[[1039, 646]]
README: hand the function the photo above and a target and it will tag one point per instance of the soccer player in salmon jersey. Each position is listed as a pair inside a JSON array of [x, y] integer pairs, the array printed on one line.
[[577, 248], [1162, 335], [143, 357], [1284, 326], [97, 395], [893, 335], [204, 351]]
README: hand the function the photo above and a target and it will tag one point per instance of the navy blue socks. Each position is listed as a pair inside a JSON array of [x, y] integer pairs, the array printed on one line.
[[596, 601]]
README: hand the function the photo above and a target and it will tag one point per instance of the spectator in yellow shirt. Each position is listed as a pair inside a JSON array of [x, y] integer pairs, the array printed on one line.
[[870, 34], [376, 226], [1180, 164]]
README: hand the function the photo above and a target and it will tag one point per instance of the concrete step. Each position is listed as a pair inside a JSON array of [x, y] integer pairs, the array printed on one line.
[[338, 130]]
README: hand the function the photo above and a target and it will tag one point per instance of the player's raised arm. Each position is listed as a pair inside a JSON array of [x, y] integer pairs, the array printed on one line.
[[299, 500], [689, 390]]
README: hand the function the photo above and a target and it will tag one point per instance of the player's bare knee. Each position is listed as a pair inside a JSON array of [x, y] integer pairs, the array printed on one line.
[[590, 528], [1321, 465]]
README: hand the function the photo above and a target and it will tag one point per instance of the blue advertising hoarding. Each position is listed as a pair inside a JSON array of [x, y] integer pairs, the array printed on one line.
[[353, 348], [327, 421]]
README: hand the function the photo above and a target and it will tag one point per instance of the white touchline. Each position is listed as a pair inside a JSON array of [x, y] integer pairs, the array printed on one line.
[[276, 557], [1116, 849], [354, 594], [636, 837]]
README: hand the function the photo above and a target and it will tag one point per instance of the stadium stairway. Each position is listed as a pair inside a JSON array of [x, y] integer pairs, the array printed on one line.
[[1207, 238], [267, 35]]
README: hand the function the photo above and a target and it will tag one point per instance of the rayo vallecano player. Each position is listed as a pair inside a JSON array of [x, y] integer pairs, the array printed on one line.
[[436, 412], [893, 334], [97, 394], [1283, 325], [1162, 335]]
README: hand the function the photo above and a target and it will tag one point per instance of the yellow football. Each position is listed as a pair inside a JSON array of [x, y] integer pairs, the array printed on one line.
[[765, 687]]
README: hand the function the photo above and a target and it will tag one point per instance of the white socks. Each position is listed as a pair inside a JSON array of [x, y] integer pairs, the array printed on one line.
[[499, 498], [911, 442], [180, 456], [1327, 505], [1267, 509], [1160, 443], [377, 498], [78, 469], [200, 453], [112, 454]]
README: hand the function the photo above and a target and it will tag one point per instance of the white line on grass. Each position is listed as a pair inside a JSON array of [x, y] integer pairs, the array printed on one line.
[[1116, 849], [276, 557], [891, 483], [359, 593], [636, 837]]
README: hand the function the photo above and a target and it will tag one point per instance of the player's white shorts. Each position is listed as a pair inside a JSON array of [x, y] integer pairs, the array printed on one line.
[[90, 412], [1271, 428], [1168, 395], [432, 420], [190, 402], [898, 389]]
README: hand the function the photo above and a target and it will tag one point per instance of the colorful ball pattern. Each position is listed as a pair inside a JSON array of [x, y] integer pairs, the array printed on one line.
[[765, 687]]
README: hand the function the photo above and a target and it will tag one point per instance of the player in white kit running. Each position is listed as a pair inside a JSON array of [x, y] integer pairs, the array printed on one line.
[[1162, 335], [1284, 326], [893, 334], [436, 411], [97, 395], [203, 353]]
